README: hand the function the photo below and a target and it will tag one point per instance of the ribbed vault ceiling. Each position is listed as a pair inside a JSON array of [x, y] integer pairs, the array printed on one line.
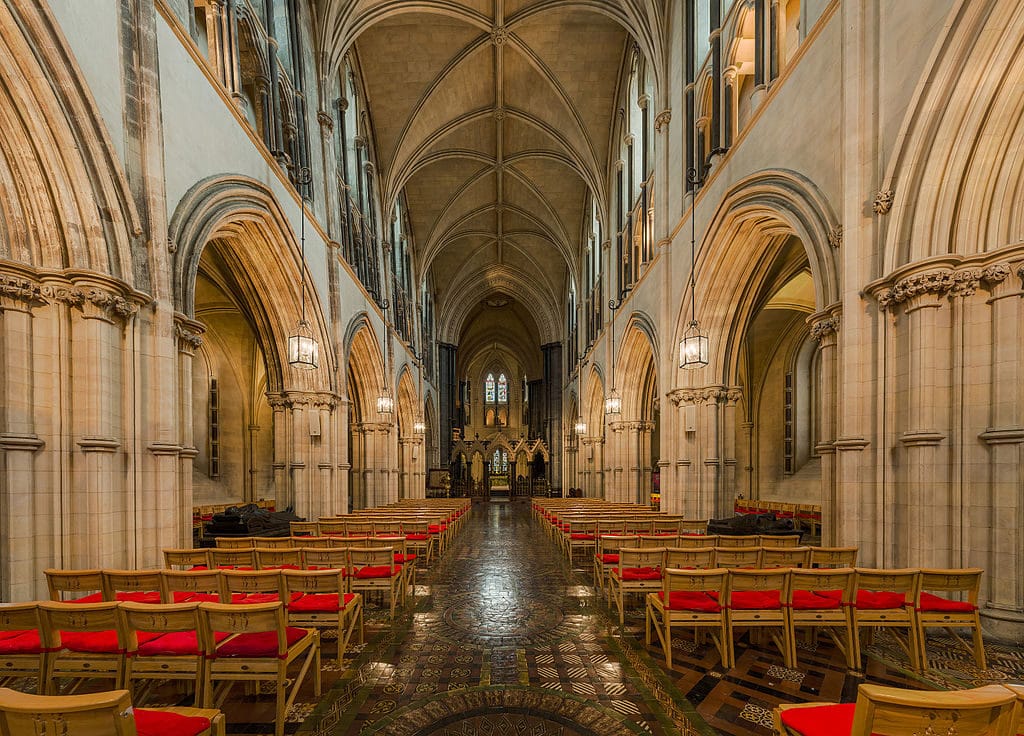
[[495, 118]]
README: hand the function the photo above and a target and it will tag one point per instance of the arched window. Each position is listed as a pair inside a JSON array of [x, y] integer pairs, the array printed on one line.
[[489, 388], [502, 389]]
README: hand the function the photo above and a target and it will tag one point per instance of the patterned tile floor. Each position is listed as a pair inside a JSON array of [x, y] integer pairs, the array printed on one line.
[[504, 638]]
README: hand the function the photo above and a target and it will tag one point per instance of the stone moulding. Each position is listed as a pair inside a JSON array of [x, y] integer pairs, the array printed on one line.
[[941, 281], [1003, 436], [96, 293], [706, 394]]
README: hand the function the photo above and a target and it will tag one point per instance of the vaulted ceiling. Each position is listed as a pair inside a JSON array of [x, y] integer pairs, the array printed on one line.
[[495, 118]]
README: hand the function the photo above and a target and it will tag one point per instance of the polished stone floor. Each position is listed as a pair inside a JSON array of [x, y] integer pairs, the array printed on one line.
[[504, 637]]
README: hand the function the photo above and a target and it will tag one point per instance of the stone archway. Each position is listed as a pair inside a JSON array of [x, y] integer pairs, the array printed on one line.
[[370, 433], [631, 456]]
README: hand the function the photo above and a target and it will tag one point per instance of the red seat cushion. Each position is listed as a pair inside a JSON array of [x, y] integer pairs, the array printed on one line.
[[408, 557], [877, 600], [177, 643], [139, 596], [638, 573], [822, 720], [435, 528], [320, 603], [375, 571], [836, 594], [91, 598], [254, 598], [807, 600], [582, 537], [417, 537], [690, 600], [609, 557], [286, 566], [163, 723], [258, 643], [97, 642], [748, 600], [931, 603], [20, 642], [185, 596]]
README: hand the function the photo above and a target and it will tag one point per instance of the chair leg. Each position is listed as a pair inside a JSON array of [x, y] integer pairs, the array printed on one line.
[[667, 642], [280, 708], [979, 645]]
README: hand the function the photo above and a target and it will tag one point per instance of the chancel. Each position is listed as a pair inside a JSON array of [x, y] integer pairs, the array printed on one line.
[[519, 366]]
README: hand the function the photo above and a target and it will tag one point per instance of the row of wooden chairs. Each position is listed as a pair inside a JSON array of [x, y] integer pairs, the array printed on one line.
[[805, 515], [631, 552], [585, 541], [101, 714], [421, 544], [990, 710], [843, 601], [326, 597], [204, 643]]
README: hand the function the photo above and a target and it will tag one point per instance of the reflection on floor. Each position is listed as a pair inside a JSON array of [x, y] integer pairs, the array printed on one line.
[[505, 638]]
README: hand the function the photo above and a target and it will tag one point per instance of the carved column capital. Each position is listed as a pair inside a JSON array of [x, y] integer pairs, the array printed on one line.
[[883, 201], [189, 334], [662, 120], [20, 293]]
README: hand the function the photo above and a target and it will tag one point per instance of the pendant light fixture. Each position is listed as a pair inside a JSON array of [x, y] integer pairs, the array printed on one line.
[[303, 349], [694, 347], [386, 402], [581, 424], [613, 402], [419, 427]]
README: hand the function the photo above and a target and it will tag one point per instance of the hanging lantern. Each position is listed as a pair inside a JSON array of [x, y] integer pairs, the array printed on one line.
[[303, 349], [385, 402], [694, 349], [419, 426], [613, 403], [581, 427]]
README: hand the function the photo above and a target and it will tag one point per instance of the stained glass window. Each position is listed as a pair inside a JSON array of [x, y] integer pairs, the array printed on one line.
[[489, 388], [502, 389]]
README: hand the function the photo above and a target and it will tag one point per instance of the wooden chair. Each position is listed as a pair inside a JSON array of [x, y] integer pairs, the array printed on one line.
[[581, 536], [233, 559], [86, 640], [656, 540], [250, 586], [607, 556], [405, 559], [753, 600], [808, 516], [317, 542], [638, 571], [665, 527], [186, 559], [176, 654], [188, 586], [690, 558], [697, 540], [101, 714], [234, 542], [688, 598], [304, 528], [944, 611], [885, 599], [387, 526], [331, 527], [139, 586], [22, 653], [822, 599], [418, 538], [785, 557], [278, 559], [738, 557], [983, 711], [358, 528], [614, 526], [778, 540], [81, 586], [833, 556], [335, 558], [262, 648], [373, 570], [272, 542], [739, 540], [693, 527], [1018, 690], [318, 599]]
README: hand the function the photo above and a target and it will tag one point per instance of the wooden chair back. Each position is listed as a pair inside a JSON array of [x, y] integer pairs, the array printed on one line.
[[234, 542], [140, 586], [247, 619], [387, 526], [23, 661], [615, 526], [180, 586], [58, 616], [665, 527], [741, 540], [687, 558], [697, 540], [371, 557], [738, 557], [95, 714], [612, 543], [634, 557], [785, 557], [359, 528], [77, 584], [651, 540], [233, 558], [335, 558], [778, 540], [278, 559], [332, 527], [983, 711], [966, 581], [250, 586], [312, 581], [839, 580], [712, 580], [310, 542], [691, 527], [272, 542], [833, 556], [186, 559]]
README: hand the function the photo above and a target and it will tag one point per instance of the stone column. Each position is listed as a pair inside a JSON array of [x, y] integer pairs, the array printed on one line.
[[20, 443], [823, 329], [615, 463], [189, 338], [1004, 438], [279, 404], [343, 458]]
